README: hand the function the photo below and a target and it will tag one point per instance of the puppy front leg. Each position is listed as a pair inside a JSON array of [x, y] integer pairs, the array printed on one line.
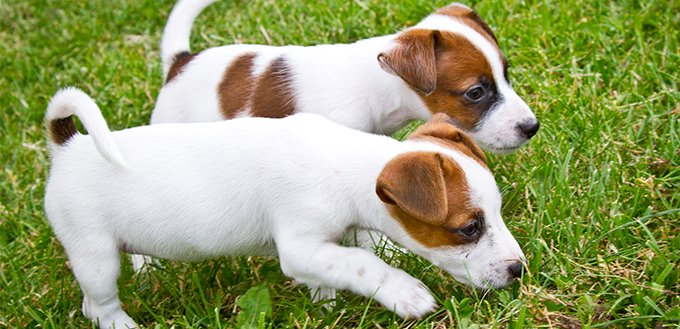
[[357, 270]]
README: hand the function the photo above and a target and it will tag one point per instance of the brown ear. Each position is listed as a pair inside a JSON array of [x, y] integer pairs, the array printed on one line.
[[415, 183], [442, 128], [412, 58]]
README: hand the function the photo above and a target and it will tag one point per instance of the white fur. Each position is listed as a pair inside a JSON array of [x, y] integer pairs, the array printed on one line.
[[343, 82], [289, 187]]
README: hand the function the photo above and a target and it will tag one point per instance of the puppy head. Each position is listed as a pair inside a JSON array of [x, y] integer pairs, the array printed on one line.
[[447, 208], [442, 130], [452, 59]]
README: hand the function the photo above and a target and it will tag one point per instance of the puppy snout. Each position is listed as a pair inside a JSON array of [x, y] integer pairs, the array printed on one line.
[[529, 128], [516, 269]]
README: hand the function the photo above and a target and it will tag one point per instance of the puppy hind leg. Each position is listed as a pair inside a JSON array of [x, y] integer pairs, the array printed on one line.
[[96, 266]]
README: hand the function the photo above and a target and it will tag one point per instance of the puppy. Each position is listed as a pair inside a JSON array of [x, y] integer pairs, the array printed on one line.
[[290, 187], [448, 63]]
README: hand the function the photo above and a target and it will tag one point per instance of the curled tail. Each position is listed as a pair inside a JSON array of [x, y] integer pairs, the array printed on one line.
[[175, 40], [61, 128]]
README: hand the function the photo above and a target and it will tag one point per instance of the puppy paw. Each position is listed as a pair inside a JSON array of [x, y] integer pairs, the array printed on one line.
[[141, 263], [107, 317], [87, 307], [405, 295], [118, 320], [323, 294]]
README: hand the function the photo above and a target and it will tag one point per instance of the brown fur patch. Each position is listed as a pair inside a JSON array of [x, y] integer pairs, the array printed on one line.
[[236, 86], [470, 18], [442, 66], [460, 66], [61, 130], [412, 58], [397, 179], [180, 60], [274, 96], [442, 131], [414, 181]]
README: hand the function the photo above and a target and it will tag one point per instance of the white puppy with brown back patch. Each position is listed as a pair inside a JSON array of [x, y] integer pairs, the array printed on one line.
[[289, 187], [449, 63]]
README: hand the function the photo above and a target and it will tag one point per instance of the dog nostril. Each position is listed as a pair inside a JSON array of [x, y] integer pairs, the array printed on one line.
[[530, 128], [516, 269]]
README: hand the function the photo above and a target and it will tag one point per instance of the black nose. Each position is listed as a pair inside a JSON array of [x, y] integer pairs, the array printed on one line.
[[530, 128], [516, 269]]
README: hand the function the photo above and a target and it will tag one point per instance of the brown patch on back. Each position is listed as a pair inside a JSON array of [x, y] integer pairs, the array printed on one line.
[[403, 186], [460, 66], [442, 131], [274, 96], [61, 130], [180, 60], [236, 86]]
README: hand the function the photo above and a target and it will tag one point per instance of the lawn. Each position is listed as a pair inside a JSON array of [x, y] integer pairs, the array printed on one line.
[[594, 199]]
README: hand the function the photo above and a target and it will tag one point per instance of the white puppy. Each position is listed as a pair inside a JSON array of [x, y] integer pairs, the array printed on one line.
[[449, 63], [289, 187]]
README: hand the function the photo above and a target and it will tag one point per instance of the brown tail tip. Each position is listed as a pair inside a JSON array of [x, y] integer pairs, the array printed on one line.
[[178, 62], [61, 130]]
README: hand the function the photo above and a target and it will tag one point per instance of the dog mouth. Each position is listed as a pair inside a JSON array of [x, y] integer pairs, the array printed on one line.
[[497, 144], [504, 150], [494, 277], [490, 283], [484, 283]]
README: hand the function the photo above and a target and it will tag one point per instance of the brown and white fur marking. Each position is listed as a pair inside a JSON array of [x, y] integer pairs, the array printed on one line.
[[290, 187], [448, 63]]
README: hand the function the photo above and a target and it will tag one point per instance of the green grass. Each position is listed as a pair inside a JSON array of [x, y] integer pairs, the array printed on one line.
[[593, 200]]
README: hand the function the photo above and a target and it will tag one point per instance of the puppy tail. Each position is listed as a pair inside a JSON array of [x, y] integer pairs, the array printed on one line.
[[175, 40], [61, 128]]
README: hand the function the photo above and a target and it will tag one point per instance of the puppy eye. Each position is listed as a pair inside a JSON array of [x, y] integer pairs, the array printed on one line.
[[470, 230], [475, 93]]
